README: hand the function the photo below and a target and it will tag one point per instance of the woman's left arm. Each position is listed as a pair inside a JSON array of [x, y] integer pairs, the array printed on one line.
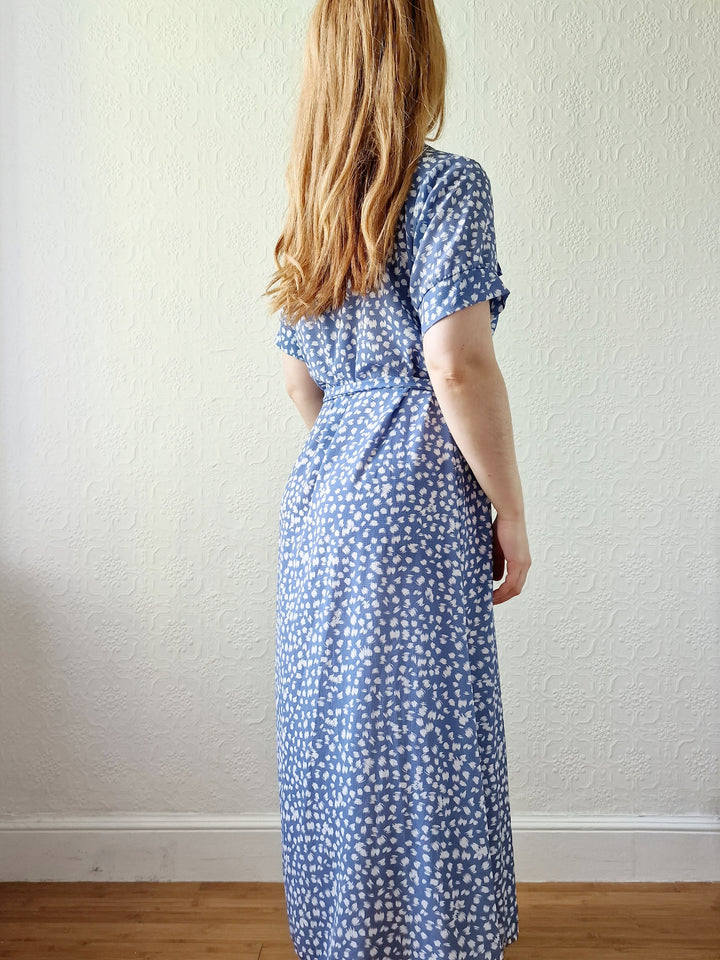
[[302, 389]]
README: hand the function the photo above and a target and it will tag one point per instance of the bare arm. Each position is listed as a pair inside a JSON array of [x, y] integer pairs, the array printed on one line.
[[471, 391], [472, 395], [302, 389]]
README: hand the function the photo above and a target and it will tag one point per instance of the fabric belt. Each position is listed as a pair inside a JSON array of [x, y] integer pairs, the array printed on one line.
[[343, 387]]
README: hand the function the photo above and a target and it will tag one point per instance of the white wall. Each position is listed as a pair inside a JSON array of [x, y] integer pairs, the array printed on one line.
[[146, 435]]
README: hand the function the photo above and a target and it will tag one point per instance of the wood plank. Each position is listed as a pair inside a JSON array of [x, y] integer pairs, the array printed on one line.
[[247, 921]]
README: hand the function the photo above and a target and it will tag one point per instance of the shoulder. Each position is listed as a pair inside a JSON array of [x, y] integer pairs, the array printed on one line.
[[440, 170], [445, 179]]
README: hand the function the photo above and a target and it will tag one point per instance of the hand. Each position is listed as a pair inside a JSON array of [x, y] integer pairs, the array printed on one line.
[[510, 547]]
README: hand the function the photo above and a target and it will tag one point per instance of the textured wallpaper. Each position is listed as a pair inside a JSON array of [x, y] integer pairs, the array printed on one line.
[[146, 434]]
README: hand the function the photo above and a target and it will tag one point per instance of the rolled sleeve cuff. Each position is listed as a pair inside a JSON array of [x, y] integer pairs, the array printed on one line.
[[461, 289], [286, 341]]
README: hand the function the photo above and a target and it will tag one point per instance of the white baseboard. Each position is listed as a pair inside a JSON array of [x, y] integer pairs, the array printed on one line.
[[196, 847]]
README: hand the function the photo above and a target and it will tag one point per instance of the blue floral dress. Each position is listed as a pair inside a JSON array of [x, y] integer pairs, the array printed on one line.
[[395, 817]]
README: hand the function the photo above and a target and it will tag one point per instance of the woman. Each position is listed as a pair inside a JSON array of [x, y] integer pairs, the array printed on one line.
[[395, 818]]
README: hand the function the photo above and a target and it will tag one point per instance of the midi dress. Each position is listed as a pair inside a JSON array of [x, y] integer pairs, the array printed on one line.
[[391, 754]]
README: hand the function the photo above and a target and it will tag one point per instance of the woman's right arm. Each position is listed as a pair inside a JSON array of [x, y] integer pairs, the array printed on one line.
[[472, 396]]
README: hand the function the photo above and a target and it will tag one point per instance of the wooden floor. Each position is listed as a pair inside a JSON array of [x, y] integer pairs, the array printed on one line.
[[247, 921]]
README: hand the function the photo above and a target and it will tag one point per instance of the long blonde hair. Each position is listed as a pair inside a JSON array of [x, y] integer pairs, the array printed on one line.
[[373, 86]]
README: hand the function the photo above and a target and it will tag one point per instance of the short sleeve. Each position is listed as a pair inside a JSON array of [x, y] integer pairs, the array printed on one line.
[[454, 252], [287, 339]]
